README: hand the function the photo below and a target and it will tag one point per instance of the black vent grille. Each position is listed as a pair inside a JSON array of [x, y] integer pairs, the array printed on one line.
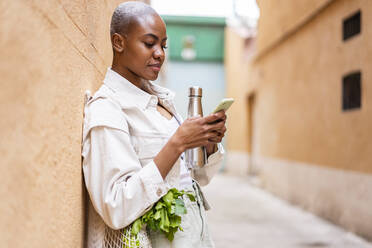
[[351, 91], [351, 26]]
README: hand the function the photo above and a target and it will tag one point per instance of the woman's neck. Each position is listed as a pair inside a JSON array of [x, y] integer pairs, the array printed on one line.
[[129, 75]]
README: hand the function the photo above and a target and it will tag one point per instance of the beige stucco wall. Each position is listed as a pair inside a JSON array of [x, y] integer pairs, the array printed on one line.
[[310, 152], [279, 18], [237, 88], [300, 93], [51, 52], [237, 70]]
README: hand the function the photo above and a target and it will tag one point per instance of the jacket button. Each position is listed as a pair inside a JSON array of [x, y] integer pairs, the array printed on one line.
[[159, 191]]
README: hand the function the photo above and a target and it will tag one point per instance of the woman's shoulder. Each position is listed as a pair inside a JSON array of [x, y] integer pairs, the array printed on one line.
[[102, 100], [102, 109]]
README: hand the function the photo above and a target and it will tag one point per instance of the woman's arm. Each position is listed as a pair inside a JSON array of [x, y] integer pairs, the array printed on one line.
[[120, 189]]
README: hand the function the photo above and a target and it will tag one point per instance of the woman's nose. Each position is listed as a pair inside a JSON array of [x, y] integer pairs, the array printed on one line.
[[159, 53]]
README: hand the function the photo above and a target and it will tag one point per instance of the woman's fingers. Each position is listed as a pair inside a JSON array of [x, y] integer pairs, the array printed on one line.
[[203, 140], [217, 127], [217, 137], [199, 143], [213, 117], [200, 131], [214, 137], [215, 141]]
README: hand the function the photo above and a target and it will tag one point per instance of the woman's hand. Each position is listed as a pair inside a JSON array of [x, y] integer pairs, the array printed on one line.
[[201, 131], [194, 132]]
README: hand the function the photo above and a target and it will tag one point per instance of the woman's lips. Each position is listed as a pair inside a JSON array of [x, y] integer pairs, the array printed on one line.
[[155, 67]]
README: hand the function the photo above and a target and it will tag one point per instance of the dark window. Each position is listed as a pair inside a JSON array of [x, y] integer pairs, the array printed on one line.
[[351, 25], [351, 91]]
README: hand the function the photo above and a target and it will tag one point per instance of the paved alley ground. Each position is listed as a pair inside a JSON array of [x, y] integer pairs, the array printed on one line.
[[246, 216]]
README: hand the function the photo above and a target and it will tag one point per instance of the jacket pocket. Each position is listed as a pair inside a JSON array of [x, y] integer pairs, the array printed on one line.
[[148, 144], [149, 150]]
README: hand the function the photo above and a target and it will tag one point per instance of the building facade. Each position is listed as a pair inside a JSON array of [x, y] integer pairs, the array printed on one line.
[[302, 120], [51, 53]]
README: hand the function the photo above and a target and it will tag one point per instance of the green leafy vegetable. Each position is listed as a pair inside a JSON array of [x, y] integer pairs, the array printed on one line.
[[164, 216], [180, 207], [136, 226]]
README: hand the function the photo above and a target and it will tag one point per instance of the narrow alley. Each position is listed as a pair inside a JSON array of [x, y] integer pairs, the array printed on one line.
[[244, 216]]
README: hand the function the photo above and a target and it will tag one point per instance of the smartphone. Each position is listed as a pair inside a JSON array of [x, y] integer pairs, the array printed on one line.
[[224, 105]]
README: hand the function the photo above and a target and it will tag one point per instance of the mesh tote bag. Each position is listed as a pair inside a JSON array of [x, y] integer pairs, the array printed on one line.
[[124, 239], [102, 236]]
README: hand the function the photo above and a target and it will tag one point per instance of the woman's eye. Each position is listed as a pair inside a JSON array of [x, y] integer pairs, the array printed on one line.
[[164, 47], [149, 45]]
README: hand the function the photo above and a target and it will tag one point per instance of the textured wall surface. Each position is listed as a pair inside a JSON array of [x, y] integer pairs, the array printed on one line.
[[310, 151], [51, 52], [300, 93], [277, 18], [237, 71]]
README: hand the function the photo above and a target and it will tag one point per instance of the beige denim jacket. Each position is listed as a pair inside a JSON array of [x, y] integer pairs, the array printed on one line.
[[121, 137]]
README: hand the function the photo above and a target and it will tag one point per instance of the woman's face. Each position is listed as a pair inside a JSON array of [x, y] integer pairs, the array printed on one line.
[[144, 46]]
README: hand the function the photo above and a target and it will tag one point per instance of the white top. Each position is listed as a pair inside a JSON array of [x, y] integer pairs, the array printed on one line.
[[122, 134]]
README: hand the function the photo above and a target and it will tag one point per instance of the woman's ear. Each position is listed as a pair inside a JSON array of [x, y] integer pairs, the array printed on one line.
[[118, 42]]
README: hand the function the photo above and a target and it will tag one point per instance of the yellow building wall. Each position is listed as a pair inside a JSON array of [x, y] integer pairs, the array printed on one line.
[[300, 92], [237, 87], [51, 52], [280, 17], [308, 151]]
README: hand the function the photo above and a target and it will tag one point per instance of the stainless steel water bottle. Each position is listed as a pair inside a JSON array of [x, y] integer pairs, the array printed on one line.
[[195, 157]]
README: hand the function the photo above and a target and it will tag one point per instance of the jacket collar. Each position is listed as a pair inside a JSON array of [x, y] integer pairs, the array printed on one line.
[[130, 95]]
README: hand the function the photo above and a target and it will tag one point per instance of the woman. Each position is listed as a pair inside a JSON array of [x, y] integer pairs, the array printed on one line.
[[133, 139]]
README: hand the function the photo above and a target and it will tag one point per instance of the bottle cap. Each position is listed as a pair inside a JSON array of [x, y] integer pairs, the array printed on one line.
[[195, 91]]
